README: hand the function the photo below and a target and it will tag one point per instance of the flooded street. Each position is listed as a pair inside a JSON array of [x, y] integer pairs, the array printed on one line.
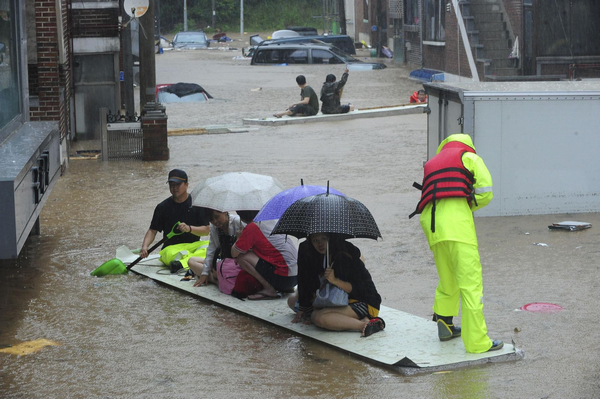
[[127, 336]]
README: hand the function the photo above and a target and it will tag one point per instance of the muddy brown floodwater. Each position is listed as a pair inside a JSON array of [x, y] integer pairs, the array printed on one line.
[[126, 336]]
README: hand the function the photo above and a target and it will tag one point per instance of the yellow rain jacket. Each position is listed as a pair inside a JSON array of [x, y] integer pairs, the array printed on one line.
[[455, 249], [454, 216]]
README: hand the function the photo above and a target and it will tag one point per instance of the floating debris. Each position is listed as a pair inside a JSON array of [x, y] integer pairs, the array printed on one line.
[[570, 226], [541, 307], [29, 347]]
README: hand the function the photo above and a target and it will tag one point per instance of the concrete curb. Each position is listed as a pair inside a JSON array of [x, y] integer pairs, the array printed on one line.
[[189, 131], [356, 114]]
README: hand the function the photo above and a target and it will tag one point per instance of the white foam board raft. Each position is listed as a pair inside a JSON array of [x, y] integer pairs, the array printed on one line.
[[409, 344], [357, 113]]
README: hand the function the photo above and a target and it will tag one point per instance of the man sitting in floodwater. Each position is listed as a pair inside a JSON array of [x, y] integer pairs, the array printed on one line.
[[309, 103], [331, 92], [418, 97]]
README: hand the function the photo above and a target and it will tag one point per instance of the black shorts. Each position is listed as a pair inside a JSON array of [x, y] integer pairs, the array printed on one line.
[[361, 309], [345, 108], [303, 109], [280, 283]]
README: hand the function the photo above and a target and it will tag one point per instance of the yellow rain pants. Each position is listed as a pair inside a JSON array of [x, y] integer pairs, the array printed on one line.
[[182, 252], [455, 249], [459, 270]]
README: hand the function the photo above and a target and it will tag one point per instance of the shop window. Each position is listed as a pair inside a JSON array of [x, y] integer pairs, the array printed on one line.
[[411, 12], [10, 84], [435, 19]]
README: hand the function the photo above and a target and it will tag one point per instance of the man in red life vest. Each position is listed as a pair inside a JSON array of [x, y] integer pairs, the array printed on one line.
[[456, 184], [418, 97]]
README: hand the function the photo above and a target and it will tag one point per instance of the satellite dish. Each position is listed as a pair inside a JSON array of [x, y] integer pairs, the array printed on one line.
[[135, 8]]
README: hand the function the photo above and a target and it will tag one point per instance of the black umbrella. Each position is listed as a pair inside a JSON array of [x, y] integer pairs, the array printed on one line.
[[328, 213]]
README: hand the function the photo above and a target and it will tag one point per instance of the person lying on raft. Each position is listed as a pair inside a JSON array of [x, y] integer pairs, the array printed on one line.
[[348, 272], [271, 259]]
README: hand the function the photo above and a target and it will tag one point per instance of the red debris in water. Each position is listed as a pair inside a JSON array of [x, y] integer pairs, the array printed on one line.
[[541, 307]]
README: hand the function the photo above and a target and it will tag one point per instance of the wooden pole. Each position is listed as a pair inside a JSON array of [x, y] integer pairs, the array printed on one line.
[[147, 61]]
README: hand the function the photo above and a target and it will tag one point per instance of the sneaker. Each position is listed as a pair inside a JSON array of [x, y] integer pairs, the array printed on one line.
[[447, 331], [175, 266], [496, 344]]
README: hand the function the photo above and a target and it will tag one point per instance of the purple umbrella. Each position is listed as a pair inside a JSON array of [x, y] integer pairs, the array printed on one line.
[[275, 207]]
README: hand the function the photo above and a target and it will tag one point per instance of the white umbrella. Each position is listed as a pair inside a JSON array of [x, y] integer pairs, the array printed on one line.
[[236, 191]]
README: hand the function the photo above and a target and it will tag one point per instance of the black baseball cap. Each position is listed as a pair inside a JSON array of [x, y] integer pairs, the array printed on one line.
[[177, 176]]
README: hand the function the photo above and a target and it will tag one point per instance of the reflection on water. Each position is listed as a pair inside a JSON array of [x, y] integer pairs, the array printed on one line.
[[126, 335]]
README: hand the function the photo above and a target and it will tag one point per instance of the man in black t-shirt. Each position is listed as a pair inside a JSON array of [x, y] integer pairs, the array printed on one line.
[[177, 208]]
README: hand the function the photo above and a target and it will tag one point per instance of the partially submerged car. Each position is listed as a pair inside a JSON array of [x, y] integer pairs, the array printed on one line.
[[303, 30], [278, 34], [181, 93], [307, 53], [342, 42], [190, 40]]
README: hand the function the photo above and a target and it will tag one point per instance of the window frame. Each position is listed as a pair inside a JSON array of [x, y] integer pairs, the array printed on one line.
[[435, 33], [415, 14], [17, 14]]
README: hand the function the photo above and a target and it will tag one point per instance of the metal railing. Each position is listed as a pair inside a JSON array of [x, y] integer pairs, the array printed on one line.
[[122, 136]]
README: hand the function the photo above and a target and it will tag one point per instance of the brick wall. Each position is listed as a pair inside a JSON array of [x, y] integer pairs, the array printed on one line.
[[155, 145], [514, 11], [435, 56], [50, 80], [451, 57], [48, 74]]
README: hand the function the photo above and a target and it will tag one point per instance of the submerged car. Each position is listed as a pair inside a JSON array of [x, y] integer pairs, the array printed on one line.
[[307, 53], [181, 93], [303, 30], [189, 40], [342, 42]]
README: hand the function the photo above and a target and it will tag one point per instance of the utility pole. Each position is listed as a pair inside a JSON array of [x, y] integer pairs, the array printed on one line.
[[241, 19], [342, 15], [128, 101], [324, 18], [214, 14], [185, 15], [147, 54]]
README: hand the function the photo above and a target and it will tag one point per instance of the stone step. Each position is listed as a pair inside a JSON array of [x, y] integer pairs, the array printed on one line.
[[492, 34], [503, 63], [497, 54], [506, 71], [469, 22], [489, 26], [477, 9], [496, 44], [485, 1], [473, 36], [483, 17]]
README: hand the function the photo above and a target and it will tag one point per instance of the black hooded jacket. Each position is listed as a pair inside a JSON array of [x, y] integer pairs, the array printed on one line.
[[330, 95]]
